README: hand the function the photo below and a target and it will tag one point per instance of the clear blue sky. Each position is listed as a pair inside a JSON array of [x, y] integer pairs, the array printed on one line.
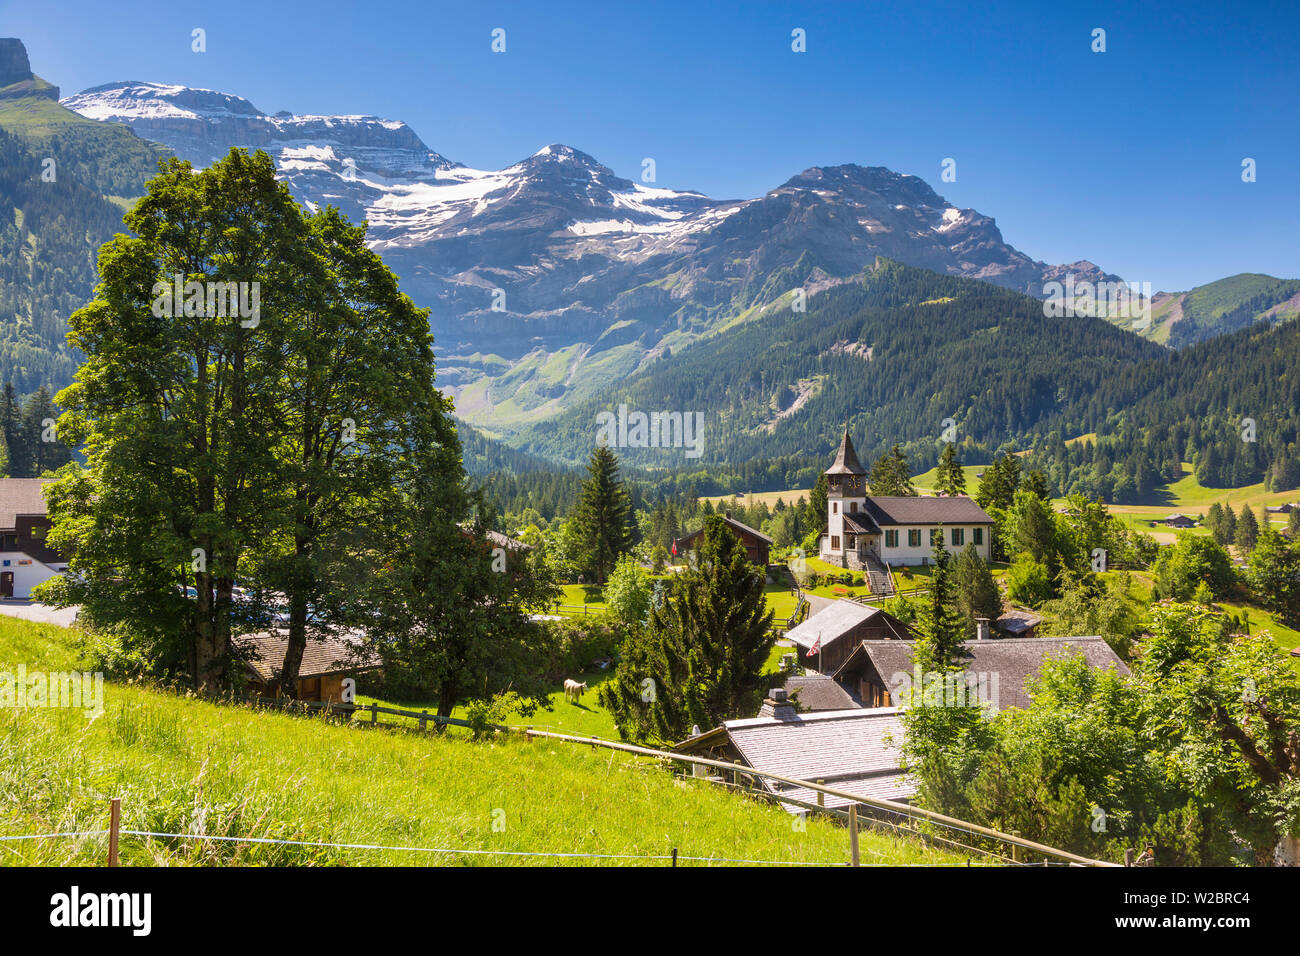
[[1131, 158]]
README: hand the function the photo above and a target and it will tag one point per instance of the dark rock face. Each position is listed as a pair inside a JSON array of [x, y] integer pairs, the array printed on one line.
[[14, 65]]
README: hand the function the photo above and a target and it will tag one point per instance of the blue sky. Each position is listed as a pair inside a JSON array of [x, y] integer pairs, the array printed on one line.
[[1130, 158]]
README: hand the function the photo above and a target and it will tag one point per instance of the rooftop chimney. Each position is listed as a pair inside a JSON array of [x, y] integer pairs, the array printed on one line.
[[777, 704], [982, 629]]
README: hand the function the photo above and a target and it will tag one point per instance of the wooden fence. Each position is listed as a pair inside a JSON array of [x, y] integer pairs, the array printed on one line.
[[1014, 841], [372, 711]]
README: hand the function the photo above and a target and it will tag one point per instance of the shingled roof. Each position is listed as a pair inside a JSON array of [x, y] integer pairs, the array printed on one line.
[[817, 692], [846, 459], [1012, 660], [21, 496], [835, 619], [851, 750], [925, 509], [332, 655]]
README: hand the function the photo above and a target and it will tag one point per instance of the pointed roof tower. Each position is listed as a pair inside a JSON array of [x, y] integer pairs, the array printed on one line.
[[846, 459]]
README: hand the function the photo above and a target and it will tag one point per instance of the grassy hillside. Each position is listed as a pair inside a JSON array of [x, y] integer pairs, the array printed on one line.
[[106, 157], [182, 765]]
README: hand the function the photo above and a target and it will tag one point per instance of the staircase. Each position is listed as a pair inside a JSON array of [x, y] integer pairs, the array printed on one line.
[[879, 579]]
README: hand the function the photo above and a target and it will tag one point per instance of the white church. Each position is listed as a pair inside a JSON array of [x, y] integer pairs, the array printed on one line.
[[871, 532]]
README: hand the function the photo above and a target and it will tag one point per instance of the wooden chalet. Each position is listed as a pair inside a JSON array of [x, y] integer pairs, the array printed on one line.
[[757, 545], [840, 627], [325, 664]]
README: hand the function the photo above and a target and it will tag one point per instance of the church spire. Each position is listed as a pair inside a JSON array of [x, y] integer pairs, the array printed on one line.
[[846, 459]]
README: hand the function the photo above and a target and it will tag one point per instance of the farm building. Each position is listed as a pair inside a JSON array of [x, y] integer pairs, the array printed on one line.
[[325, 664], [25, 560], [757, 545], [997, 671], [851, 750], [837, 629]]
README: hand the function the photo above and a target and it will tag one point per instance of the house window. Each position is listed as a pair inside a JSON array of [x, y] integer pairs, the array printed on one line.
[[933, 534], [891, 539], [853, 506], [978, 536], [958, 537], [835, 507], [835, 542], [11, 542], [914, 538]]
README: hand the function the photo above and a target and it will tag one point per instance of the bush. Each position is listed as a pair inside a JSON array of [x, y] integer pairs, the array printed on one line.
[[576, 642], [1028, 581]]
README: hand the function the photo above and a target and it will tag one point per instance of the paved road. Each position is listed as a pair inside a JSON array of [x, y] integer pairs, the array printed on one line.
[[31, 611]]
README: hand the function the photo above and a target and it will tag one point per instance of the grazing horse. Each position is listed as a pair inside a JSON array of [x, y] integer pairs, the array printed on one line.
[[573, 690]]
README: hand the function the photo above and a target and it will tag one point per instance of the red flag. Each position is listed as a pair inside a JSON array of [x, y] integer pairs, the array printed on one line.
[[674, 547], [817, 646]]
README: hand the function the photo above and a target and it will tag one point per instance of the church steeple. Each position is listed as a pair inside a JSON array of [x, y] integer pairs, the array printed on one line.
[[846, 459]]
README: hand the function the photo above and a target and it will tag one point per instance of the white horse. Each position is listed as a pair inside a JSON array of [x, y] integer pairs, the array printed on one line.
[[573, 690]]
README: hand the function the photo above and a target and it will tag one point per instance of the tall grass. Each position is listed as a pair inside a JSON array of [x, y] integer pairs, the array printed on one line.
[[186, 766]]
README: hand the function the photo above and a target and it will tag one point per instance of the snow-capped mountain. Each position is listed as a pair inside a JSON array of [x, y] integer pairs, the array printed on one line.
[[545, 278]]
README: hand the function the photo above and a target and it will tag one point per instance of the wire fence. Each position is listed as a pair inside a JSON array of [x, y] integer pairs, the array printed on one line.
[[673, 858]]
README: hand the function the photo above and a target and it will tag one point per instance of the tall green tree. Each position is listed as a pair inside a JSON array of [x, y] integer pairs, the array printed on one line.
[[1274, 575], [700, 659], [355, 383], [891, 475], [447, 608], [42, 447], [818, 500], [603, 514], [1247, 531], [177, 405], [951, 480], [1225, 708], [943, 621], [977, 593], [15, 433]]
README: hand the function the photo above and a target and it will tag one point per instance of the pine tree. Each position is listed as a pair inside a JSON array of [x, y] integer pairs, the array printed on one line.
[[1247, 531], [1293, 523], [1229, 525], [1214, 521], [943, 623], [602, 514], [891, 475], [15, 435], [977, 592], [817, 503], [1036, 484], [951, 479], [700, 660]]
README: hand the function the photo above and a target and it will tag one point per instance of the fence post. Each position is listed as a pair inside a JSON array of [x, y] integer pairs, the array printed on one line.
[[1128, 856], [853, 834], [821, 797], [1015, 848], [528, 733], [374, 712], [114, 822], [424, 719], [674, 858]]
